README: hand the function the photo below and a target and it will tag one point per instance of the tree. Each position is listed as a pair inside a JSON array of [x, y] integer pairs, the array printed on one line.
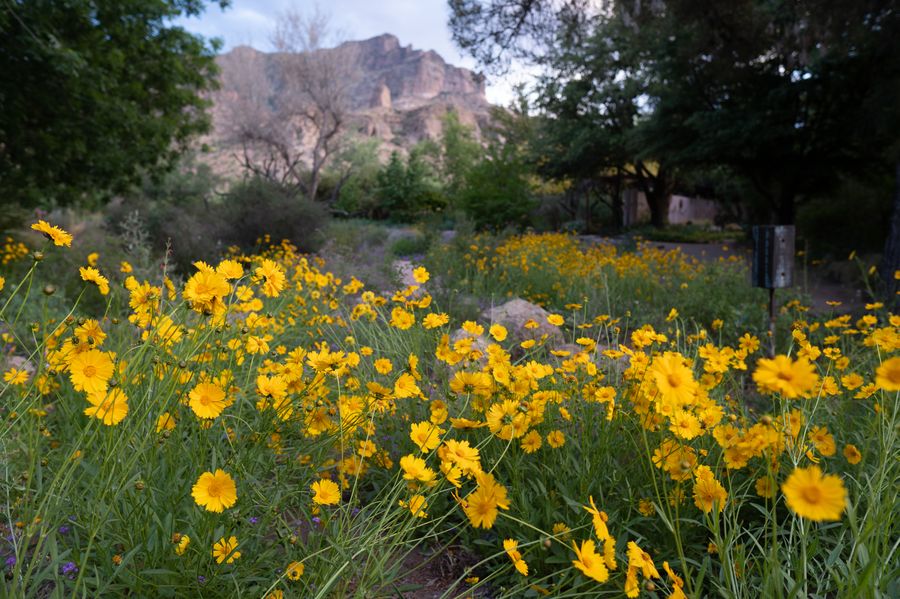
[[289, 121], [496, 192], [392, 192], [590, 96], [592, 102], [788, 94], [352, 176], [406, 191], [459, 151], [93, 95], [496, 32]]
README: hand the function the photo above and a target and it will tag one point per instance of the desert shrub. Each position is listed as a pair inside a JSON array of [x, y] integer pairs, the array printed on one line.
[[349, 236], [190, 231], [186, 218], [359, 248], [411, 245], [256, 209]]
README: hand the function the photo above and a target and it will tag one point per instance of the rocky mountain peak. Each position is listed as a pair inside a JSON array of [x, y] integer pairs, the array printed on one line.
[[395, 93], [412, 76]]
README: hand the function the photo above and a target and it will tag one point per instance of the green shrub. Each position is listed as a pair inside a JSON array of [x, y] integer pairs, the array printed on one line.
[[855, 218], [407, 191], [256, 209], [687, 234], [496, 192], [349, 236], [414, 245], [352, 180], [186, 218]]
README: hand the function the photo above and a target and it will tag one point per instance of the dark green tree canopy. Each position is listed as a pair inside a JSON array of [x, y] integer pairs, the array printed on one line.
[[787, 95], [93, 94], [497, 31]]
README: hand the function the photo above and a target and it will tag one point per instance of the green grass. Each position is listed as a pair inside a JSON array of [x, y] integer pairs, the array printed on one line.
[[687, 234], [91, 510]]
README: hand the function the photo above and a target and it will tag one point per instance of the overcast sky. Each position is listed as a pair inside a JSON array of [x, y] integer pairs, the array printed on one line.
[[422, 23]]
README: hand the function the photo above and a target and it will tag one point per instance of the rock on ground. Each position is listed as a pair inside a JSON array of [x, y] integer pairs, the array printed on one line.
[[515, 313], [404, 269]]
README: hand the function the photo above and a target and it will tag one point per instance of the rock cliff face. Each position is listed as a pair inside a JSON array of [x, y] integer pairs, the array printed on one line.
[[394, 93], [413, 77]]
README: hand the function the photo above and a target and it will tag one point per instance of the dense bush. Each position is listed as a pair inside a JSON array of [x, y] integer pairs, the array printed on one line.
[[496, 192], [351, 181], [255, 209], [184, 214], [407, 190], [489, 184], [856, 217], [176, 212]]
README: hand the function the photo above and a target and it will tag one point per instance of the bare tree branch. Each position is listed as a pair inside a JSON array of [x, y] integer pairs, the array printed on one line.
[[288, 112]]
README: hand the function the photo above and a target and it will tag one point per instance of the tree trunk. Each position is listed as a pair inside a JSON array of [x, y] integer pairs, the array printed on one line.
[[336, 192], [786, 210], [618, 205], [313, 187], [890, 261], [588, 205], [658, 193], [658, 201]]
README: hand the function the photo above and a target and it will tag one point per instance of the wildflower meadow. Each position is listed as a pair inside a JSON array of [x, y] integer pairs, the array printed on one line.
[[263, 428]]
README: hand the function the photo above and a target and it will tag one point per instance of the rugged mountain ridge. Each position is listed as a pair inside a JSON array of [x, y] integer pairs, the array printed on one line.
[[395, 94], [398, 76]]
